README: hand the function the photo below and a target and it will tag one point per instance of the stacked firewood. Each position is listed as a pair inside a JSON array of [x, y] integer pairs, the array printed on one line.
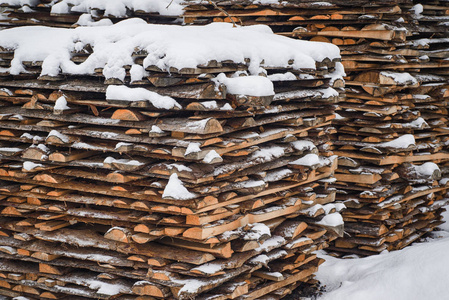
[[388, 174], [392, 135], [392, 126], [142, 165]]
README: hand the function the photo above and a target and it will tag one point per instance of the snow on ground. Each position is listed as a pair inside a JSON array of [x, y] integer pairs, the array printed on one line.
[[418, 272]]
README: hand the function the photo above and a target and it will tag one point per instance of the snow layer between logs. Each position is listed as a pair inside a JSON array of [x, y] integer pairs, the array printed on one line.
[[121, 92], [167, 46]]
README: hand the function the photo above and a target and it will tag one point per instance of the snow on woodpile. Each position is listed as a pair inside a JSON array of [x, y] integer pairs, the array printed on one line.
[[124, 93], [164, 161], [165, 47]]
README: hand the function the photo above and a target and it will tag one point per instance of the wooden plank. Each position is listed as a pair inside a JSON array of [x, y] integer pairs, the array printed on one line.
[[358, 178], [393, 159], [384, 35], [222, 250]]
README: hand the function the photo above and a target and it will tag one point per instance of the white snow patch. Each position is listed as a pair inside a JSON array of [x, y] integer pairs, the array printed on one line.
[[339, 117], [179, 167], [419, 123], [266, 2], [168, 46], [311, 211], [61, 104], [209, 268], [123, 161], [427, 168], [256, 231], [227, 106], [30, 3], [400, 78], [262, 259], [210, 104], [121, 92], [334, 219], [417, 10], [198, 125], [445, 225], [271, 243], [20, 298], [105, 288], [309, 160], [289, 76], [247, 85], [297, 241], [277, 175], [86, 146], [137, 73], [11, 149], [303, 145], [60, 8], [443, 181], [268, 153], [41, 147], [87, 20], [212, 155], [7, 91], [122, 144], [401, 142], [176, 190], [64, 138], [192, 148], [156, 129], [28, 165], [8, 249]]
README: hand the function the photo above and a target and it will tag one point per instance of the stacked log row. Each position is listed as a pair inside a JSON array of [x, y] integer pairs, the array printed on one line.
[[430, 34], [339, 22], [175, 174], [70, 13]]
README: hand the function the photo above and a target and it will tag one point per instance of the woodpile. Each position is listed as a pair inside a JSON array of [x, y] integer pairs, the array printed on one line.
[[166, 174], [392, 133], [392, 128]]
